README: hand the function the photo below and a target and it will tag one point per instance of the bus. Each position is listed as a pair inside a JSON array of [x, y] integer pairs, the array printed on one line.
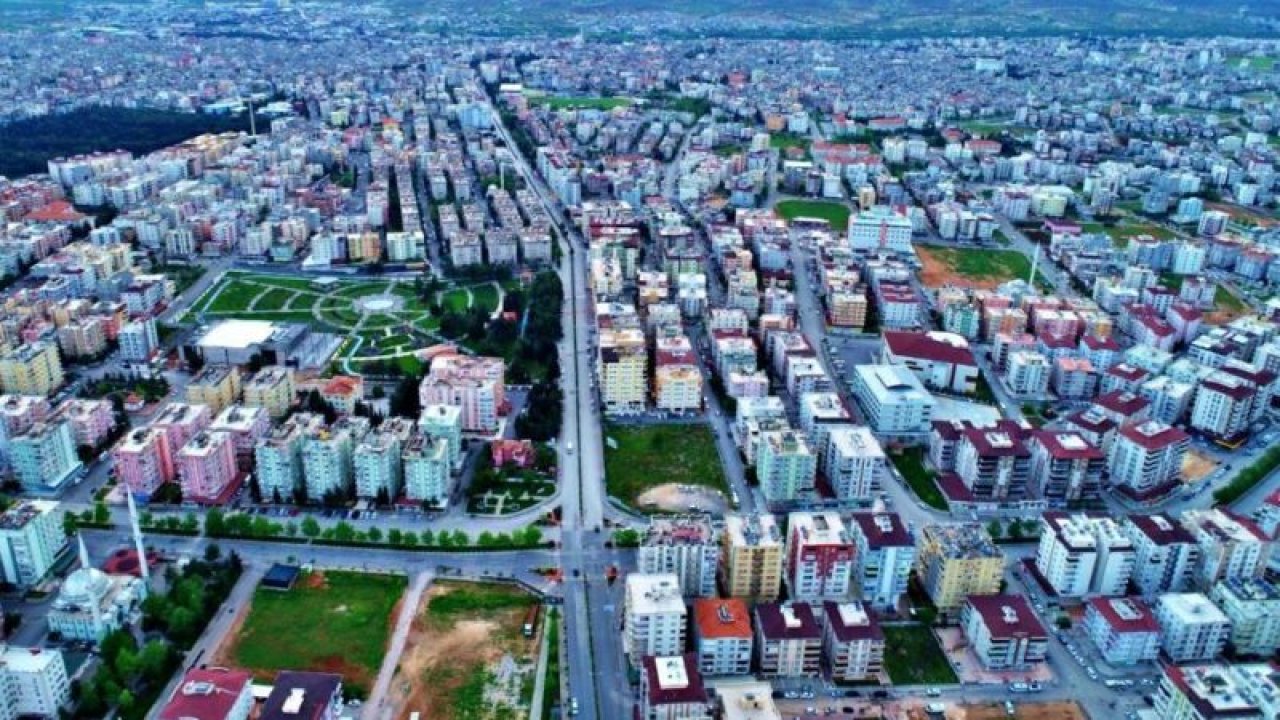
[[531, 620]]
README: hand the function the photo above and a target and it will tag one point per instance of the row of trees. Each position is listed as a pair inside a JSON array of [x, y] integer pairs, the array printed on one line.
[[219, 524]]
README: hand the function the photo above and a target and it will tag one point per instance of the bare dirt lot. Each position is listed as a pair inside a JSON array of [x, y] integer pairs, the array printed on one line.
[[465, 656], [1024, 711], [1195, 465], [682, 498]]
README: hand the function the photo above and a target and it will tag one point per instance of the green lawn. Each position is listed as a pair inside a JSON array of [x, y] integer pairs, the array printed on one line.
[[485, 296], [1173, 281], [455, 300], [784, 141], [1224, 300], [335, 622], [651, 455], [980, 263], [274, 299], [303, 301], [235, 296], [292, 283], [564, 102], [912, 656], [1263, 63], [911, 464], [835, 213]]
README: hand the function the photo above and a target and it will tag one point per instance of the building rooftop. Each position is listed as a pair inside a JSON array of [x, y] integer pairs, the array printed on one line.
[[680, 530], [964, 540], [18, 516], [1191, 608], [818, 528], [851, 621], [882, 529], [1127, 615], [300, 695], [656, 593], [238, 334], [718, 618], [1161, 529], [1007, 617], [206, 694], [787, 621], [753, 531], [673, 680]]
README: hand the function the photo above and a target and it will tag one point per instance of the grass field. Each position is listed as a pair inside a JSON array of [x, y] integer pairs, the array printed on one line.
[[563, 102], [330, 622], [451, 666], [912, 656], [1262, 63], [274, 299], [1122, 232], [786, 141], [651, 455], [835, 213], [977, 267], [911, 464]]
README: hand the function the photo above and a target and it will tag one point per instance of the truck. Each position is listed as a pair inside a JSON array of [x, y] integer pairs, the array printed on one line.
[[530, 626]]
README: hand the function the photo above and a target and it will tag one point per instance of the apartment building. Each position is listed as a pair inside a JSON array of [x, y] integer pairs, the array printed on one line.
[[34, 682], [788, 640], [852, 642], [853, 462], [91, 420], [1192, 628], [476, 385], [278, 456], [217, 386], [1145, 459], [1231, 546], [327, 457], [143, 461], [1224, 405], [44, 457], [138, 340], [819, 557], [1065, 466], [1004, 632], [1253, 607], [893, 400], [722, 637], [31, 539], [785, 465], [688, 547], [247, 427], [671, 688], [752, 560], [1082, 555], [445, 422], [377, 463], [31, 369], [956, 561], [1213, 691], [271, 388], [622, 368], [207, 467], [1124, 630], [994, 465], [884, 553], [180, 422], [1166, 555], [654, 616], [210, 694], [428, 472]]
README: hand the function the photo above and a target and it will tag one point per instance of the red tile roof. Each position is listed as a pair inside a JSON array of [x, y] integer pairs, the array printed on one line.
[[852, 633], [1153, 435], [205, 694], [1136, 617], [717, 618], [1020, 623], [882, 529], [1067, 445], [692, 692]]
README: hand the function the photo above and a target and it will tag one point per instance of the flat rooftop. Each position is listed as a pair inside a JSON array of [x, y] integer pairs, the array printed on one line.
[[238, 334]]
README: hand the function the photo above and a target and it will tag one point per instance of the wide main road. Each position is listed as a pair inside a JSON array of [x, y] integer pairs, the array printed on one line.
[[596, 669]]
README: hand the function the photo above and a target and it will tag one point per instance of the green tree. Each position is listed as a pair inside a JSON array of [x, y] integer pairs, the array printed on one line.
[[101, 513], [125, 701], [428, 537], [70, 524], [995, 528], [291, 529], [410, 538], [1015, 530], [343, 532], [460, 538], [310, 527], [374, 535], [395, 536], [215, 523], [153, 660]]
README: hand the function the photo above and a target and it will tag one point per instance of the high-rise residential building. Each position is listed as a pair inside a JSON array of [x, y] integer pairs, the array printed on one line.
[[1004, 632], [1253, 607], [688, 546], [1145, 459], [217, 386], [853, 462], [746, 700], [271, 388], [852, 642], [1231, 546], [33, 682], [1166, 555], [180, 422], [785, 465], [893, 400], [1218, 692], [622, 366], [31, 539], [884, 553], [91, 420], [1192, 628], [819, 563], [210, 694], [207, 467], [751, 564], [377, 460], [138, 340], [247, 426], [1065, 466], [428, 472], [880, 228], [1124, 630], [278, 457], [788, 640], [31, 369], [326, 457], [671, 688], [476, 385], [44, 457], [956, 561], [445, 422], [722, 637], [143, 461], [1082, 555], [654, 616], [993, 464]]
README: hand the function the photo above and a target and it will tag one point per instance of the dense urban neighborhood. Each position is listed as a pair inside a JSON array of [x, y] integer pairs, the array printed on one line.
[[356, 364]]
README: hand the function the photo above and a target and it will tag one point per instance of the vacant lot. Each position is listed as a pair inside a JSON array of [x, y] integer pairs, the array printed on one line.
[[329, 622], [912, 656], [649, 456], [971, 267], [835, 213], [910, 464], [561, 102], [466, 658]]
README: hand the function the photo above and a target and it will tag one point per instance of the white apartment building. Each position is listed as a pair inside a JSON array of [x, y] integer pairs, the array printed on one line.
[[654, 616], [1217, 692], [852, 462], [1081, 555], [326, 457], [688, 547], [819, 557], [892, 399], [31, 539], [884, 553], [138, 340], [880, 228], [1165, 554], [428, 473], [1004, 631], [1146, 457], [1253, 606], [376, 461], [785, 465], [33, 682], [1192, 628], [278, 456], [1231, 546], [1124, 630], [852, 642], [444, 421]]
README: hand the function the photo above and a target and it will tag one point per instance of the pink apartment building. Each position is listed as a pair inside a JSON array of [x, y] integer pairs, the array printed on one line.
[[143, 460], [180, 422], [207, 466], [91, 420], [19, 412], [475, 384]]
